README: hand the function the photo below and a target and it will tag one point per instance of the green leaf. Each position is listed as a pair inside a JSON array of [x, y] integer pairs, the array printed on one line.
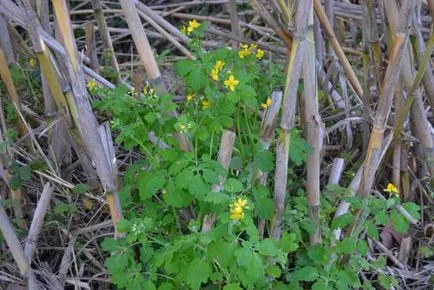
[[288, 242], [298, 148], [236, 163], [265, 208], [372, 230], [197, 273], [232, 286], [399, 222], [183, 67], [177, 198], [380, 218], [264, 160], [217, 197], [109, 245], [317, 254], [166, 286], [197, 79], [150, 183], [274, 271], [124, 226], [413, 209], [319, 285], [210, 176], [348, 245], [342, 221], [81, 188], [198, 188], [25, 173], [307, 273], [267, 247], [183, 179], [232, 185]]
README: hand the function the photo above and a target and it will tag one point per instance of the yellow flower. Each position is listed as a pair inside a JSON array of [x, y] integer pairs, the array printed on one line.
[[219, 65], [252, 46], [244, 51], [92, 84], [231, 83], [267, 103], [189, 98], [205, 104], [391, 188], [240, 203], [215, 74], [237, 209], [184, 30], [237, 214], [182, 128], [194, 24], [259, 54], [32, 62]]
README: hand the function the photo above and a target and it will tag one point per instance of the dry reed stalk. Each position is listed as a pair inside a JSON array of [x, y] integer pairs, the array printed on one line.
[[419, 117], [91, 47], [58, 138], [83, 115], [330, 35], [419, 48], [288, 114], [5, 41], [329, 6], [17, 252], [382, 114], [354, 186], [235, 22], [281, 32], [37, 221], [167, 35], [314, 131], [336, 171], [162, 22], [224, 158], [104, 33], [267, 134]]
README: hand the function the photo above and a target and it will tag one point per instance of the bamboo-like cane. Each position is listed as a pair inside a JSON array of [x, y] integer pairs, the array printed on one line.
[[267, 134], [259, 7], [329, 6], [224, 158], [329, 33], [91, 47], [162, 22], [58, 138], [428, 77], [147, 58], [16, 250], [104, 33], [418, 113], [5, 41], [382, 113], [354, 186], [82, 114], [38, 219], [314, 131], [235, 22], [288, 114], [168, 36]]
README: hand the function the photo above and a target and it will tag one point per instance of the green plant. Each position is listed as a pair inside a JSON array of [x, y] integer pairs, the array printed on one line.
[[167, 194]]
